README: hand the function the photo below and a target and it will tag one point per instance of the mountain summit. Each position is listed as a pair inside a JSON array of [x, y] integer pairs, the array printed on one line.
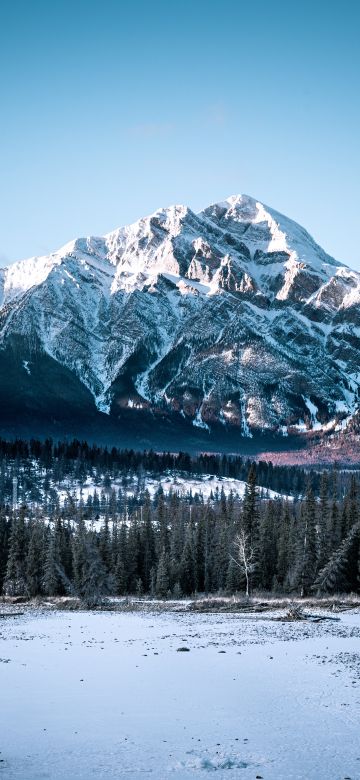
[[232, 319]]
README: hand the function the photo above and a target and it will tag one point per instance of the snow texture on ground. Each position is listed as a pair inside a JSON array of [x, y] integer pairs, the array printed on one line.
[[206, 486], [109, 695]]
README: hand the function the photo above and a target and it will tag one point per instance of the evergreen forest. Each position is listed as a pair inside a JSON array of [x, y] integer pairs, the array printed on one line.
[[119, 541]]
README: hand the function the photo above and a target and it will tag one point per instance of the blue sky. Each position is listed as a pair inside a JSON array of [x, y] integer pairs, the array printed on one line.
[[112, 109]]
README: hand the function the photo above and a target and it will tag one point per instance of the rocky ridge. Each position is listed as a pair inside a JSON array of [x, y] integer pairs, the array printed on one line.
[[232, 317]]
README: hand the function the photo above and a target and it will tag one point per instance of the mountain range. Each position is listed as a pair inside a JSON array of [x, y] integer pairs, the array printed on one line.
[[231, 326]]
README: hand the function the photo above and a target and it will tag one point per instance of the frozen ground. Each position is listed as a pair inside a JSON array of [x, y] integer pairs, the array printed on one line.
[[107, 695]]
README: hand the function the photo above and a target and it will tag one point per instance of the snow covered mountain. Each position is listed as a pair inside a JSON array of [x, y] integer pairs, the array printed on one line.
[[230, 319]]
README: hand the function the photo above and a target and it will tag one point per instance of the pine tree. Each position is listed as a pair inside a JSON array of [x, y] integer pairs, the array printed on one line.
[[234, 578], [199, 553], [120, 576], [147, 543], [351, 580], [53, 582], [177, 592], [93, 583], [284, 526], [306, 563], [162, 525], [187, 568], [290, 542], [352, 504], [333, 574], [35, 560], [250, 517], [222, 557], [4, 545], [162, 576], [177, 542], [133, 554], [120, 565], [15, 579], [79, 554], [209, 548], [323, 540], [105, 544], [335, 524], [268, 552]]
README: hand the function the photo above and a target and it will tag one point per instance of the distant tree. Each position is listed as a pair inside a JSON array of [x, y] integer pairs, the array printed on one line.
[[4, 545], [234, 577], [335, 525], [134, 554], [162, 523], [250, 509], [187, 568], [53, 546], [120, 576], [307, 556], [323, 540], [283, 536], [222, 555], [147, 542], [79, 549], [105, 544], [267, 548], [54, 580], [93, 583], [162, 575], [35, 559], [15, 583]]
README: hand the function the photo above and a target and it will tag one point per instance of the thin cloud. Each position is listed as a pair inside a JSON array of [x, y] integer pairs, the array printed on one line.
[[217, 115], [151, 129]]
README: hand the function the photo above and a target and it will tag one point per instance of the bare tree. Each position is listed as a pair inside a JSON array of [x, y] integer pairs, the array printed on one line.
[[244, 557]]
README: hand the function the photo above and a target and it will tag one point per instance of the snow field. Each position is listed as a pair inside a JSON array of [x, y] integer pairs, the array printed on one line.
[[204, 486], [108, 695]]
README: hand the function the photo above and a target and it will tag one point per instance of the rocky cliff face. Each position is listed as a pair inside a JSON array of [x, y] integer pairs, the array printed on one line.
[[233, 317]]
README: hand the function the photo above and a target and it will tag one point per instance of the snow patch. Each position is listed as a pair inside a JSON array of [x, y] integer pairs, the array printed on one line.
[[315, 424], [198, 421]]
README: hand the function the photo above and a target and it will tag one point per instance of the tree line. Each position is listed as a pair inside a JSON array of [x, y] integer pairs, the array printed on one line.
[[66, 457], [170, 545]]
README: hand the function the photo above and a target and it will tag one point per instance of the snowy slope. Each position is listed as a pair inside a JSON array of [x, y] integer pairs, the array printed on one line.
[[233, 317], [207, 486]]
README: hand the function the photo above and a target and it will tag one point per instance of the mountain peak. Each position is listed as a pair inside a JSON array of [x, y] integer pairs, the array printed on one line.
[[220, 316]]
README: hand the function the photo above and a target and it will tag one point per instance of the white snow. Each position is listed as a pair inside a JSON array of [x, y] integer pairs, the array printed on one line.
[[198, 421], [135, 255], [107, 695], [21, 276], [300, 426], [341, 406], [315, 424], [206, 485], [98, 279]]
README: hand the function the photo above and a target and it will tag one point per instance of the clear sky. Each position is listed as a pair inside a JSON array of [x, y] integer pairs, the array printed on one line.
[[112, 109]]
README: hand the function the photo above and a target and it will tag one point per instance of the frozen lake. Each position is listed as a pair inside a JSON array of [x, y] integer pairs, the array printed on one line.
[[108, 695]]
